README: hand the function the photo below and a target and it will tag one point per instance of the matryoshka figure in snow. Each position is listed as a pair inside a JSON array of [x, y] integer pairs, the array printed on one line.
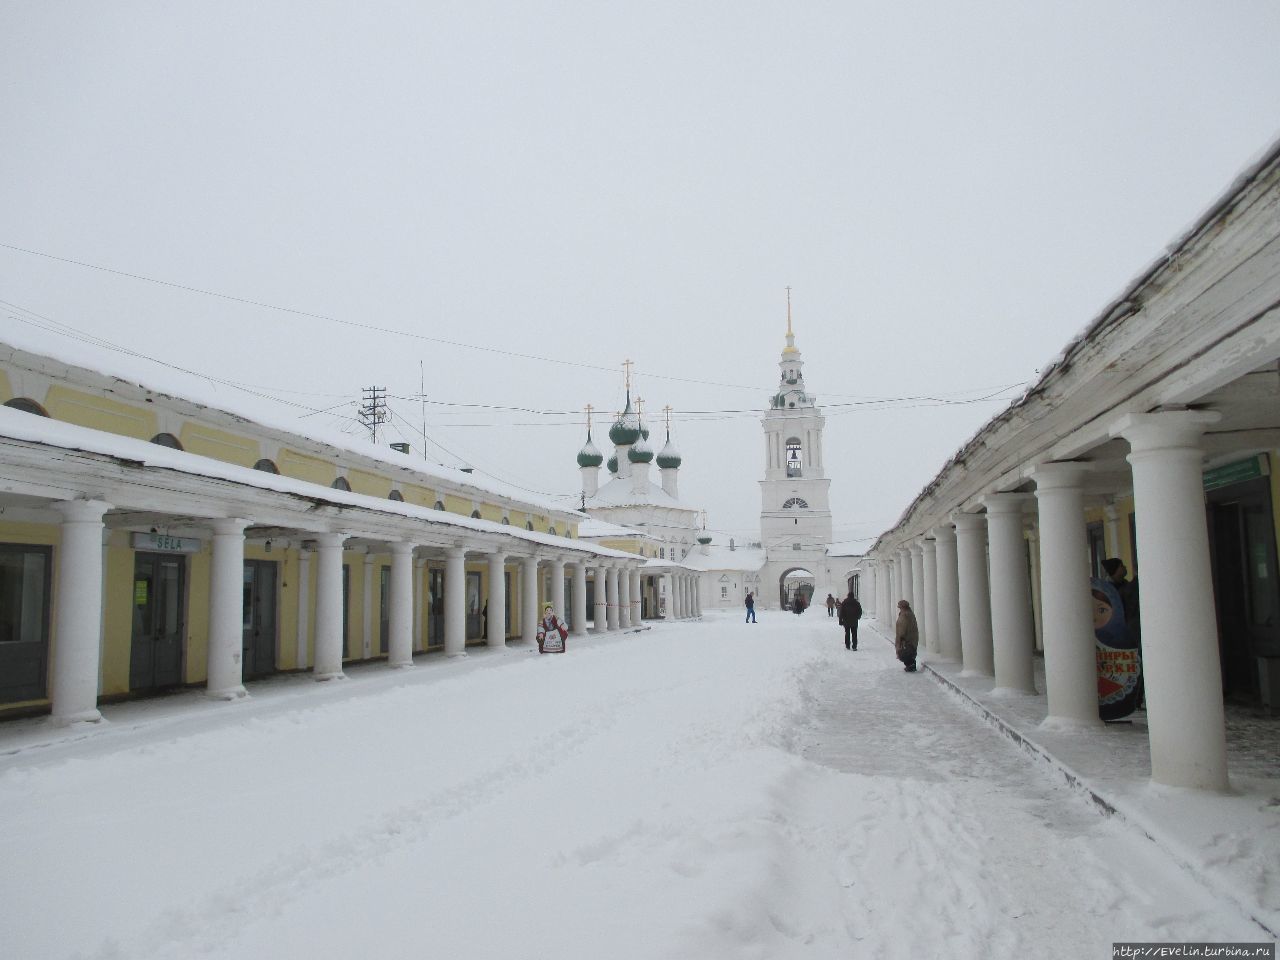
[[552, 634]]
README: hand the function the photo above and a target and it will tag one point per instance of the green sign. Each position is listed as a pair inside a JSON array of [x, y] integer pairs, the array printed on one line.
[[1230, 473], [140, 592]]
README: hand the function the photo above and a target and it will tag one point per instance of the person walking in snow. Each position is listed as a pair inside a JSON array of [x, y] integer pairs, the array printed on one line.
[[831, 605], [751, 608], [850, 614], [906, 636], [552, 634]]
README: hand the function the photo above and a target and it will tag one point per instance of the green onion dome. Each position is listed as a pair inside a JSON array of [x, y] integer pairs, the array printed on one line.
[[704, 540], [626, 429], [589, 456], [640, 452], [613, 464], [669, 458]]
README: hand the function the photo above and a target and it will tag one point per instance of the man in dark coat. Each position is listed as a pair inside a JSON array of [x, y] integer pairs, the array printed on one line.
[[850, 614]]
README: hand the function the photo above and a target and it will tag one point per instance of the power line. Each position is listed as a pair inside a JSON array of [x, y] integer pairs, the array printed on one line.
[[389, 330]]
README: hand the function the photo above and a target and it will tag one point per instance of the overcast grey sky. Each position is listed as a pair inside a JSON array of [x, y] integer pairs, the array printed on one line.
[[951, 190]]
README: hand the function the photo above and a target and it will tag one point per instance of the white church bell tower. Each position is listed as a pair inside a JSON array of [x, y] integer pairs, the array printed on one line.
[[795, 512]]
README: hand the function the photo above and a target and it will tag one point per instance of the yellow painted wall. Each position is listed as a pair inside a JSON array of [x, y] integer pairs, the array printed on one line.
[[629, 546], [490, 512], [418, 495], [100, 413], [6, 390], [195, 667], [218, 444], [302, 467], [457, 505], [118, 622], [517, 518], [370, 484]]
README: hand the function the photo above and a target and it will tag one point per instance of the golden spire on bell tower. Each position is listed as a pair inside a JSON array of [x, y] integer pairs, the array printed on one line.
[[791, 337]]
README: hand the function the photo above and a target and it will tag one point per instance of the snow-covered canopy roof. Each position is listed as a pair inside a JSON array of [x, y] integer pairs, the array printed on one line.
[[62, 354], [59, 436]]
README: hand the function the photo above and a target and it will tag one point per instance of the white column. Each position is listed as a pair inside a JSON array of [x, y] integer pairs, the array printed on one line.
[[1070, 661], [1111, 530], [225, 651], [328, 665], [904, 564], [419, 600], [882, 593], [697, 596], [1032, 536], [579, 598], [497, 600], [948, 593], [400, 599], [929, 549], [76, 650], [636, 588], [529, 601], [302, 658], [975, 595], [624, 598], [611, 579], [557, 585], [1011, 627], [917, 590], [455, 602], [1183, 677], [600, 603], [370, 610]]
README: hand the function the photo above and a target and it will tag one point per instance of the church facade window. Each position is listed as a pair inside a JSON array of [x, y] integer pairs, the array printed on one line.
[[795, 503]]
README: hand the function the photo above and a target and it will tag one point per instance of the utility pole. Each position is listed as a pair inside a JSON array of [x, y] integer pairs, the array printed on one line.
[[374, 410]]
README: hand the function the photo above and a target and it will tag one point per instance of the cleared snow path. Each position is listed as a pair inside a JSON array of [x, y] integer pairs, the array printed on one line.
[[702, 791]]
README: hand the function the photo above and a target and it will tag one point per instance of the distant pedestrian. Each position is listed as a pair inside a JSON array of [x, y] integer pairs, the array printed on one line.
[[831, 605], [552, 634], [751, 608], [797, 605], [906, 636], [850, 614]]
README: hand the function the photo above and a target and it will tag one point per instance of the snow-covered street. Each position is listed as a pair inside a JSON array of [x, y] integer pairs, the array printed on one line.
[[697, 790]]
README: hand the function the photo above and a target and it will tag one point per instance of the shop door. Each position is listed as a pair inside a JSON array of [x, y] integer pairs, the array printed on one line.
[[1246, 588], [24, 621], [159, 621], [259, 633], [435, 604]]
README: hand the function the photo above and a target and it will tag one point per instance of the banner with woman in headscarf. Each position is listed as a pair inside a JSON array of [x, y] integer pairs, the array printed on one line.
[[1119, 663]]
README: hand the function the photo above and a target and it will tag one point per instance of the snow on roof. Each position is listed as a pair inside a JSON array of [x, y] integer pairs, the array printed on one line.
[[621, 492], [848, 548], [720, 557], [592, 528], [226, 397], [30, 428]]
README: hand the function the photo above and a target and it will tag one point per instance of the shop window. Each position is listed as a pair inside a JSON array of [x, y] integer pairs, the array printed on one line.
[[25, 573]]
